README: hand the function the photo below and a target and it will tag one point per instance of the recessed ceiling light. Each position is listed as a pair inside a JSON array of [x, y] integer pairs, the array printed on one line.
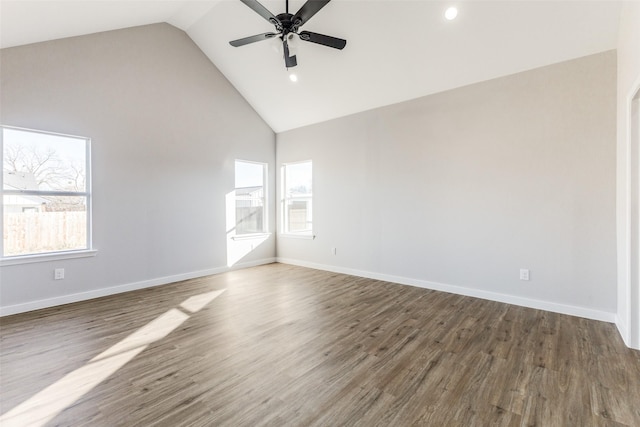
[[451, 13], [293, 77]]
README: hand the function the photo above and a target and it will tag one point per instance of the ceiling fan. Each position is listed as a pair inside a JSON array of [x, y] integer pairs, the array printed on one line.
[[287, 24]]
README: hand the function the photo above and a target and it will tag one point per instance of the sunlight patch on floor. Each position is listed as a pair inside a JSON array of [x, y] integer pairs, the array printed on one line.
[[198, 302], [51, 401]]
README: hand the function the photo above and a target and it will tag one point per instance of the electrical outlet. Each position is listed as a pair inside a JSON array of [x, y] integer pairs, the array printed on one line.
[[524, 274], [58, 274]]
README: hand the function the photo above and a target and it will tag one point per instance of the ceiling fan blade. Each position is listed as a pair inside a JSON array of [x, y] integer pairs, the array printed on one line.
[[252, 39], [289, 61], [333, 42], [310, 8], [263, 11]]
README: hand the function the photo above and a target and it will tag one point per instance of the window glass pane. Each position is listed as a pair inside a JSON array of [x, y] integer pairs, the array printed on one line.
[[38, 224], [298, 179], [44, 162], [249, 174], [298, 197], [250, 197], [299, 216], [249, 216]]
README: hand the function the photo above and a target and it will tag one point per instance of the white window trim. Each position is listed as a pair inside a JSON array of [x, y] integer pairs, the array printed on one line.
[[50, 256], [298, 236], [46, 257], [250, 236]]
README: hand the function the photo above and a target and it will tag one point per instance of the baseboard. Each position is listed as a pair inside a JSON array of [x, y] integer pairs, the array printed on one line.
[[623, 331], [97, 293], [477, 293], [571, 310]]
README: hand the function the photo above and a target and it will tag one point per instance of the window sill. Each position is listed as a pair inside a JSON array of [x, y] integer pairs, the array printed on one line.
[[250, 236], [54, 256], [298, 236]]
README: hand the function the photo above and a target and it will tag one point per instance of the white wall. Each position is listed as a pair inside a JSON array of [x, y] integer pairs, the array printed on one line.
[[628, 314], [166, 127], [459, 190]]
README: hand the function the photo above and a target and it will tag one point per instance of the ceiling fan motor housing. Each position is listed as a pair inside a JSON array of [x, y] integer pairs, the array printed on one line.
[[288, 25]]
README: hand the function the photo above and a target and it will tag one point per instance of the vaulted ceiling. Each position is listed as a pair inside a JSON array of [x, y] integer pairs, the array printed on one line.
[[396, 50]]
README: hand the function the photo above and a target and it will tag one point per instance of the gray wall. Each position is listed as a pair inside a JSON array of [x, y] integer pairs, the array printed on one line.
[[166, 127], [461, 189]]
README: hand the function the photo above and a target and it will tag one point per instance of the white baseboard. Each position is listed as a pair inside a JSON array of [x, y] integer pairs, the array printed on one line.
[[623, 331], [587, 313], [478, 293], [112, 290]]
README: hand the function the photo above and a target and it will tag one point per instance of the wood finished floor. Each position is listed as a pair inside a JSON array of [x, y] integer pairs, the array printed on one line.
[[289, 346]]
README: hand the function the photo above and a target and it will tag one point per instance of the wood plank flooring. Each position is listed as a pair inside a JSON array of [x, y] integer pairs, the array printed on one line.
[[280, 345]]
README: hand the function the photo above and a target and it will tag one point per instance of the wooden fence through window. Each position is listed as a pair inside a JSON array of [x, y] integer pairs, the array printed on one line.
[[36, 232]]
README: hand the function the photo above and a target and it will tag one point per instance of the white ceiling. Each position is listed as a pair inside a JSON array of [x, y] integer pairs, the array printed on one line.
[[396, 50]]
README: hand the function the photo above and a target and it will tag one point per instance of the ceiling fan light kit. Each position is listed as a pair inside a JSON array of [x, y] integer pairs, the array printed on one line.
[[287, 24]]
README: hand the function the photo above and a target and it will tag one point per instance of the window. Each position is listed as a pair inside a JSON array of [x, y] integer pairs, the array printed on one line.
[[297, 198], [251, 216], [45, 192]]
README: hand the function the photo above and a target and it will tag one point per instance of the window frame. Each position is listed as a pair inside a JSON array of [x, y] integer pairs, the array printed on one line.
[[285, 200], [264, 198], [88, 250]]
